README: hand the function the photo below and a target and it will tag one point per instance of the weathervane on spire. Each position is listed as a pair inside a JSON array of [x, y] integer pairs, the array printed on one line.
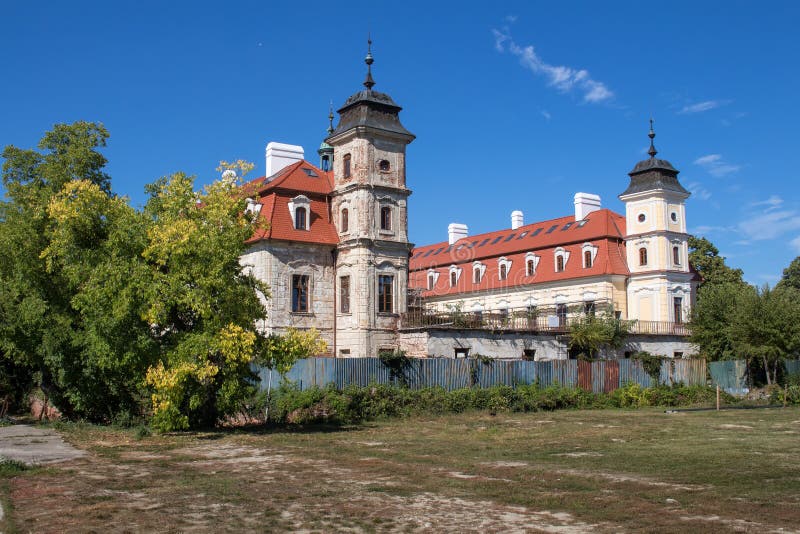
[[330, 119], [652, 136], [369, 82]]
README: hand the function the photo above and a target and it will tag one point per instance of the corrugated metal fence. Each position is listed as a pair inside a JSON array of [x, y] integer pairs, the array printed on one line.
[[731, 375], [599, 376]]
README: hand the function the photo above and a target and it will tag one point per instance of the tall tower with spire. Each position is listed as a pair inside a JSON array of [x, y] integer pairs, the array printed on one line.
[[369, 206], [325, 150], [660, 284]]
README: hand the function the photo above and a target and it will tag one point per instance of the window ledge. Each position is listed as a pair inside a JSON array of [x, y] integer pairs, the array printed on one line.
[[303, 314], [388, 314], [386, 232]]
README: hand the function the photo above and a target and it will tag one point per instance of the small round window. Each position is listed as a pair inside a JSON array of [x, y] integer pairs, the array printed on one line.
[[384, 165], [673, 216], [642, 217]]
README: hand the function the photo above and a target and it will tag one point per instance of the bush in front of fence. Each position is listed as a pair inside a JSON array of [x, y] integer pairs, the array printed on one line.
[[354, 404]]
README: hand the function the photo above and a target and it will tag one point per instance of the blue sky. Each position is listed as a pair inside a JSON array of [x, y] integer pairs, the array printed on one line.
[[516, 105]]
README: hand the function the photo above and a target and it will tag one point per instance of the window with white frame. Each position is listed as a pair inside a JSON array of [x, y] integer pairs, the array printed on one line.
[[300, 209], [531, 263], [455, 275], [477, 272], [433, 277], [589, 253], [252, 206], [561, 257], [503, 268]]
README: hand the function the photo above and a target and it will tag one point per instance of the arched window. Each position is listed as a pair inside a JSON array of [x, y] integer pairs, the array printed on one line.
[[503, 271], [346, 165], [386, 218], [453, 278], [300, 219], [587, 259], [345, 220], [559, 263], [384, 165], [476, 274], [431, 281], [676, 255], [642, 256], [530, 267]]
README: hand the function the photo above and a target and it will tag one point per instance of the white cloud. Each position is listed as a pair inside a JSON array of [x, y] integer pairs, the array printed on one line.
[[511, 18], [698, 191], [546, 114], [770, 224], [563, 78], [772, 203], [795, 244], [700, 107], [716, 165], [709, 229]]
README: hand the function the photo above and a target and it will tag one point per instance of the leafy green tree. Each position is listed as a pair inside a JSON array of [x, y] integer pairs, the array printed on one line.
[[592, 333], [67, 245], [711, 320], [765, 325], [791, 275], [705, 258]]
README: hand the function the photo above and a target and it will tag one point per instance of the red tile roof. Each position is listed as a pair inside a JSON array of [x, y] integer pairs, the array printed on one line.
[[604, 229], [274, 196]]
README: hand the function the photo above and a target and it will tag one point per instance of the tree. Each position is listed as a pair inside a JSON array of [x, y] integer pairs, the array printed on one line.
[[592, 333], [705, 258], [765, 325], [791, 276], [68, 245], [711, 320]]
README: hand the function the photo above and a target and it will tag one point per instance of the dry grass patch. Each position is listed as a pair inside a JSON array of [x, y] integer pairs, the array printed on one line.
[[581, 471]]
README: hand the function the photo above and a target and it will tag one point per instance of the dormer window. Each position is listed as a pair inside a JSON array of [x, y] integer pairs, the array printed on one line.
[[300, 210], [346, 166], [477, 272], [531, 263], [561, 259], [589, 255], [503, 267], [386, 218], [455, 274], [384, 165], [345, 221], [643, 256], [433, 277], [300, 218]]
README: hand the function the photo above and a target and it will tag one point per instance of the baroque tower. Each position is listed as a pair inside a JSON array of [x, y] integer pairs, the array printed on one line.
[[660, 285], [369, 207]]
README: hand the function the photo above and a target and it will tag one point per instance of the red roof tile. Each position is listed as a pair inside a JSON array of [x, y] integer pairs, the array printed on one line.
[[274, 196], [604, 229]]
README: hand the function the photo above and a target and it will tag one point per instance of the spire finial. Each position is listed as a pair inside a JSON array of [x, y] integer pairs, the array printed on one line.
[[652, 136], [369, 82], [330, 119]]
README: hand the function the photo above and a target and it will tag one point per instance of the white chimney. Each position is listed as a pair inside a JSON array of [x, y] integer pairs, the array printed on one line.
[[585, 203], [280, 156], [517, 219], [456, 231]]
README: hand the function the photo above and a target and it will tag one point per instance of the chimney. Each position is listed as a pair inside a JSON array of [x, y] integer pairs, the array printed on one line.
[[585, 203], [456, 231], [280, 156], [517, 219]]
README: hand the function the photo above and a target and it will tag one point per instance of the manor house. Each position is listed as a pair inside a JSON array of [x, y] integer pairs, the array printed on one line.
[[335, 253]]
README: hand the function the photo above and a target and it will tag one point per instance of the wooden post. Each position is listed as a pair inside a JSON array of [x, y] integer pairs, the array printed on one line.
[[717, 397]]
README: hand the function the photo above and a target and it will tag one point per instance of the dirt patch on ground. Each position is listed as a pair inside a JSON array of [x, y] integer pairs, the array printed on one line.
[[644, 481]]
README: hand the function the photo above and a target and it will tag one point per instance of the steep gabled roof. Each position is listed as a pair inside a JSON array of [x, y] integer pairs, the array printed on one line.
[[274, 195]]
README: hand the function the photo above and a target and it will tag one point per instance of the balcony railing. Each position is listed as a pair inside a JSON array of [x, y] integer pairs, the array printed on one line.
[[522, 321]]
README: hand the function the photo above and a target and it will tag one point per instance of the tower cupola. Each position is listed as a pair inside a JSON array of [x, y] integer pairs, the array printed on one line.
[[653, 173], [325, 150]]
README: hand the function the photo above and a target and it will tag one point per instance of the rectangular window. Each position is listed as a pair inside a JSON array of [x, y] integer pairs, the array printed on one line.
[[588, 307], [676, 255], [461, 353], [677, 309], [529, 355], [344, 353], [344, 294], [561, 312], [385, 287], [677, 355], [386, 218], [300, 293], [476, 275]]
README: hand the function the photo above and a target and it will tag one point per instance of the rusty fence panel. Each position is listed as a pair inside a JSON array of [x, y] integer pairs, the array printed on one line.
[[585, 375], [611, 376]]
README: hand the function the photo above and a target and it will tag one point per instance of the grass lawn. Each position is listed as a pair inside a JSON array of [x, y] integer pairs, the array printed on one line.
[[568, 471]]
